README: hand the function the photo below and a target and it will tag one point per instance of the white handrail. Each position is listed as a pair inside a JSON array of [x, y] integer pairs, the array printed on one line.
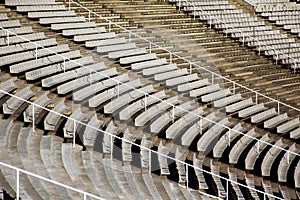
[[152, 44], [250, 2], [18, 170], [131, 142], [207, 70], [160, 100], [154, 97]]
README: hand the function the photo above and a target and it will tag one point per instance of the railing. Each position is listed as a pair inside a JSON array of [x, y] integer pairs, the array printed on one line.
[[250, 2], [174, 106], [113, 137], [160, 100], [145, 94], [213, 76], [22, 171]]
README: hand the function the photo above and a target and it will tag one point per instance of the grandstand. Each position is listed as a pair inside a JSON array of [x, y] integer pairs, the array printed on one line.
[[151, 99]]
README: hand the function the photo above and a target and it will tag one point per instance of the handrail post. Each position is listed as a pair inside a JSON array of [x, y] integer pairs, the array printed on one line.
[[91, 81], [36, 51], [179, 5], [145, 102], [69, 5], [111, 146], [64, 65], [7, 38], [89, 15], [258, 147], [212, 78], [187, 176], [74, 133], [173, 114], [277, 57], [243, 38], [210, 21], [227, 188], [33, 119], [18, 185], [149, 167], [258, 48], [229, 131], [150, 47], [84, 196], [256, 98], [194, 12], [201, 124], [190, 68], [118, 90], [233, 88], [278, 107], [170, 57]]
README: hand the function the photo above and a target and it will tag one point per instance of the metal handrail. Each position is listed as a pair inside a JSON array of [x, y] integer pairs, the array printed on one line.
[[152, 44], [257, 94], [77, 122], [146, 94], [19, 170], [150, 95], [173, 106]]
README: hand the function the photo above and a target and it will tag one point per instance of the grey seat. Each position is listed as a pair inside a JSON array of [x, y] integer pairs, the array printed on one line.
[[155, 110], [69, 75], [157, 125], [255, 151], [66, 26], [90, 134], [33, 8], [95, 88], [43, 101], [17, 39], [127, 98], [13, 104], [52, 119], [85, 80], [135, 107], [40, 14], [7, 86], [118, 90], [71, 126], [59, 67], [183, 122]]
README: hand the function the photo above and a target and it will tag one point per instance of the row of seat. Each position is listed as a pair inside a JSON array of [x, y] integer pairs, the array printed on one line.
[[258, 2], [51, 120], [74, 166], [148, 61], [233, 24], [283, 14]]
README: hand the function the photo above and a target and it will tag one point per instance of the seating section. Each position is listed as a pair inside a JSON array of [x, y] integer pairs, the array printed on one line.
[[249, 29], [284, 14], [144, 99]]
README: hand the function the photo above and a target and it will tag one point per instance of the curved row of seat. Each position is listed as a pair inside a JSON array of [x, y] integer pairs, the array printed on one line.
[[48, 156], [215, 92]]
